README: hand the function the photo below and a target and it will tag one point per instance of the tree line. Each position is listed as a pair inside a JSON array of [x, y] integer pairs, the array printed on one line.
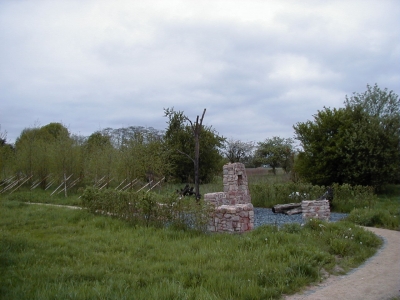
[[358, 144]]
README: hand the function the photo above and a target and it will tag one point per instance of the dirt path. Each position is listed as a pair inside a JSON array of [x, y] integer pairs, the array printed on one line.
[[377, 279], [56, 205]]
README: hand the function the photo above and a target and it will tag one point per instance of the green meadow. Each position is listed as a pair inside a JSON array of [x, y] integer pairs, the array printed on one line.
[[53, 252], [60, 253]]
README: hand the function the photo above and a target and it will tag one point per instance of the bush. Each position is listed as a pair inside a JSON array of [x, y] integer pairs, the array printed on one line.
[[149, 209]]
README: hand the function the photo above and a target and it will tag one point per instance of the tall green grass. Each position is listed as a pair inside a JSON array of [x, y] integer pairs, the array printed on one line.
[[58, 253], [385, 214], [345, 199]]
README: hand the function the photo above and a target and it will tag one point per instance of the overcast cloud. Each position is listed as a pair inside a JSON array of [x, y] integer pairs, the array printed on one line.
[[258, 67]]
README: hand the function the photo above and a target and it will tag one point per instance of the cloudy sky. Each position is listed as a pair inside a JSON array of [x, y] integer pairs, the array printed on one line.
[[258, 67]]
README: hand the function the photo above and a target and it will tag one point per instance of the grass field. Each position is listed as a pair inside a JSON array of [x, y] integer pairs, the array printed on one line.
[[58, 253]]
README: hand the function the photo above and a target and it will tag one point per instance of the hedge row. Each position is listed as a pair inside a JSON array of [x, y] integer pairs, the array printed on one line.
[[345, 197], [148, 209]]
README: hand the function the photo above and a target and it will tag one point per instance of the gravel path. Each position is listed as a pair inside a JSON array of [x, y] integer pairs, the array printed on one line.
[[377, 279], [264, 216]]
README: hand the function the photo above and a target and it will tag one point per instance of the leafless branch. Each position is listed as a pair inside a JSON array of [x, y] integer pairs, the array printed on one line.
[[185, 154]]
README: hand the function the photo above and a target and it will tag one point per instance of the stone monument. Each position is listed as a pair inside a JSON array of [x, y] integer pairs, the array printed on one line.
[[232, 210]]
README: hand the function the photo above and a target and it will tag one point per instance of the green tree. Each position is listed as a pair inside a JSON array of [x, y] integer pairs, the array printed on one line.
[[141, 155], [181, 146], [99, 154], [276, 152], [358, 144], [53, 132], [379, 103], [26, 146], [383, 106], [45, 150], [6, 156]]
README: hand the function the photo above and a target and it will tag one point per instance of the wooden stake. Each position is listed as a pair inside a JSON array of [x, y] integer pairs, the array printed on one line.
[[12, 184], [121, 183], [144, 186], [155, 185], [61, 184], [21, 184]]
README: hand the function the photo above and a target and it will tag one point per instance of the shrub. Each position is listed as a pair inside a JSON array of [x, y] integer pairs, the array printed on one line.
[[149, 209]]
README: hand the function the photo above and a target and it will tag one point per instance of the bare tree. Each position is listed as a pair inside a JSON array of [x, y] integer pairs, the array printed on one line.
[[196, 130], [236, 150]]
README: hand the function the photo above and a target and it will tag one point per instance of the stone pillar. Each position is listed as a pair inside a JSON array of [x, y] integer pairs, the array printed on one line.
[[233, 211]]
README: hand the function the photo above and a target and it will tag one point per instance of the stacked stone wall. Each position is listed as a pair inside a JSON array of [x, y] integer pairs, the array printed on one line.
[[232, 218], [232, 208], [316, 209]]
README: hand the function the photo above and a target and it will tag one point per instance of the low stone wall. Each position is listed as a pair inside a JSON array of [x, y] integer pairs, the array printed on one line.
[[233, 211], [232, 218], [316, 209]]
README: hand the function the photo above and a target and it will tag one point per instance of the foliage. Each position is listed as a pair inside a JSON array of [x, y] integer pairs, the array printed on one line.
[[6, 155], [50, 153], [44, 150], [385, 212], [268, 195], [56, 253], [146, 208], [142, 156], [237, 151], [358, 144], [345, 199], [99, 155], [180, 147], [376, 102], [375, 218], [121, 137], [276, 152]]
